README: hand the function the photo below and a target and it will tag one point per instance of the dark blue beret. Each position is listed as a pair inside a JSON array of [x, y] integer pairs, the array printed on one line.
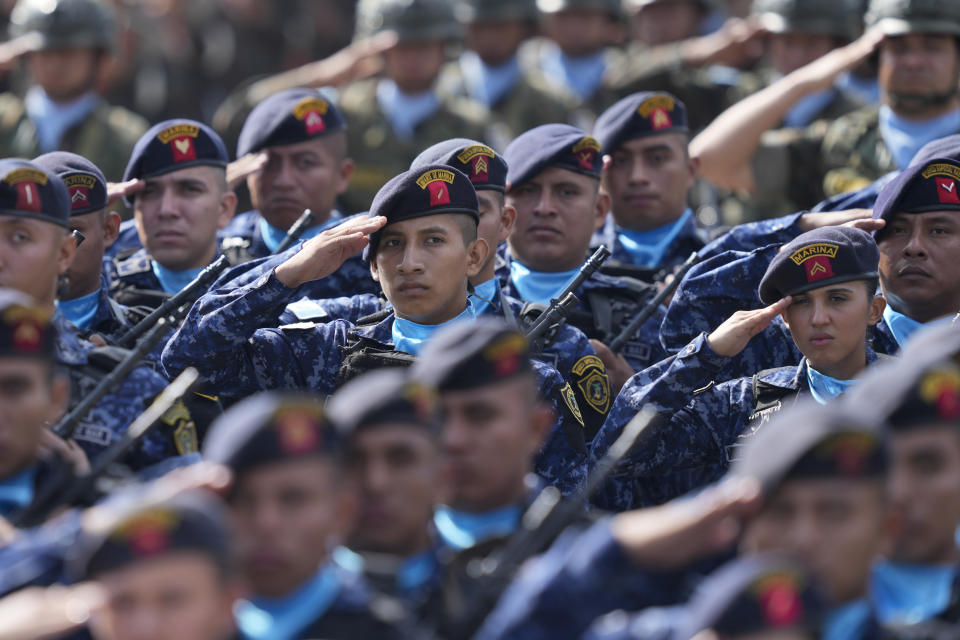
[[288, 117], [172, 145], [271, 427], [26, 331], [945, 147], [551, 145], [468, 355], [30, 191], [819, 258], [931, 398], [753, 594], [811, 440], [426, 191], [192, 521], [386, 396], [85, 183], [486, 168], [640, 115], [932, 185]]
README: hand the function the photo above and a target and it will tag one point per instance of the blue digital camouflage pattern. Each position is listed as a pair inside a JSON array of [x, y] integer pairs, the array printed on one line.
[[133, 282], [111, 318], [706, 413], [167, 446], [233, 337], [691, 238], [36, 556], [751, 235]]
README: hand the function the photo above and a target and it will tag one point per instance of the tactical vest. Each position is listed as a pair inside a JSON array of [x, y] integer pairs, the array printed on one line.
[[123, 286], [362, 354], [768, 400], [611, 309]]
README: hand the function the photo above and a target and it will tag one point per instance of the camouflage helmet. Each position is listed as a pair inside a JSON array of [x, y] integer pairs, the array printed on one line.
[[839, 18], [411, 20], [898, 17], [555, 6], [65, 24], [479, 11]]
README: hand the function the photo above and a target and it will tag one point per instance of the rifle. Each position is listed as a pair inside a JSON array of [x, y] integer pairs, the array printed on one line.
[[618, 342], [566, 300], [542, 522], [295, 231], [57, 494], [69, 422], [171, 308]]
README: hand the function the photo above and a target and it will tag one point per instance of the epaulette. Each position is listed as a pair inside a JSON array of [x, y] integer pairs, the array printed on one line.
[[297, 326]]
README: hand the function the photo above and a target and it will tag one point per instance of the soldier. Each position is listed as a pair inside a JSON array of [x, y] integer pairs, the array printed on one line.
[[37, 250], [292, 505], [648, 172], [184, 201], [489, 71], [166, 570], [420, 238], [84, 299], [658, 22], [391, 431], [553, 182], [393, 118], [62, 109], [823, 284]]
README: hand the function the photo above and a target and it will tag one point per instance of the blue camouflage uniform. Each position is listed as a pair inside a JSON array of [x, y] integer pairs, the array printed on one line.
[[689, 238]]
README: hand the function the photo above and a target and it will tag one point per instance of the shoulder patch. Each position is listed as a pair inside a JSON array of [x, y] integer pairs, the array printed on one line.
[[571, 401], [184, 431], [297, 326], [137, 263], [593, 382]]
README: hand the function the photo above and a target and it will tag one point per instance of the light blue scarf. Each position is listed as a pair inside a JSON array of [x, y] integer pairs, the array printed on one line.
[[582, 75], [846, 622], [647, 248], [284, 618], [539, 286], [461, 530], [409, 336], [403, 111], [487, 84], [16, 492], [173, 281], [823, 388], [905, 137], [903, 327], [53, 119], [808, 108], [483, 294], [413, 573], [866, 90], [910, 593], [273, 237], [81, 311]]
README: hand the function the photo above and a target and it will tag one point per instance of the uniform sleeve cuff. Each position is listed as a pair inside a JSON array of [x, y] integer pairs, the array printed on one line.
[[699, 349]]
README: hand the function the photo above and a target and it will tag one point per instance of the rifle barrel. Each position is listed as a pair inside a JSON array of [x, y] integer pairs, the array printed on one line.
[[295, 231]]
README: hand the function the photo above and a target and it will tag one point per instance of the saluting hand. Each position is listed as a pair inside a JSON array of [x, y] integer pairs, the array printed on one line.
[[117, 190], [239, 169], [731, 337], [323, 254]]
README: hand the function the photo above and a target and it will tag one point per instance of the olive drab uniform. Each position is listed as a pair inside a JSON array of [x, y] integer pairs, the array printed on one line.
[[854, 153]]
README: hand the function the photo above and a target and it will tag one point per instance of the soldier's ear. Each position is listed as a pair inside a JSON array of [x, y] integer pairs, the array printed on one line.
[[477, 253], [346, 172], [111, 227], [877, 305], [65, 253], [228, 207], [508, 219], [601, 208], [374, 272]]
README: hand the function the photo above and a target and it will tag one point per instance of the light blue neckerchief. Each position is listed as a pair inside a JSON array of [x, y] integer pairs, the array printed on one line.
[[867, 90], [905, 137], [823, 388], [647, 248], [808, 108], [903, 327], [413, 573], [409, 336], [485, 293], [910, 593], [284, 618], [403, 111], [16, 492], [846, 622], [53, 119], [487, 84], [272, 236], [81, 311], [582, 75], [460, 530], [539, 286], [173, 281]]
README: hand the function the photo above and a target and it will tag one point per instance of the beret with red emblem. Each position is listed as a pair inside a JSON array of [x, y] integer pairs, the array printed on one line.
[[30, 191], [429, 190], [84, 181], [930, 185], [26, 331], [640, 115], [818, 258], [289, 117], [469, 355], [172, 145], [932, 397], [191, 521], [271, 427], [551, 145], [811, 440], [384, 397], [753, 594], [485, 167]]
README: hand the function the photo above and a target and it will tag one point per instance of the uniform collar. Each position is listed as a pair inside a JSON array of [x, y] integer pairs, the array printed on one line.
[[581, 75], [286, 617], [903, 327], [539, 286], [910, 593], [487, 84], [905, 137], [53, 119], [405, 111], [81, 311], [171, 281], [647, 248], [461, 530], [409, 336]]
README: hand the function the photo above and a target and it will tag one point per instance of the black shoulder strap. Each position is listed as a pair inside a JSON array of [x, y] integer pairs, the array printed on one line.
[[362, 354], [374, 318], [767, 395]]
